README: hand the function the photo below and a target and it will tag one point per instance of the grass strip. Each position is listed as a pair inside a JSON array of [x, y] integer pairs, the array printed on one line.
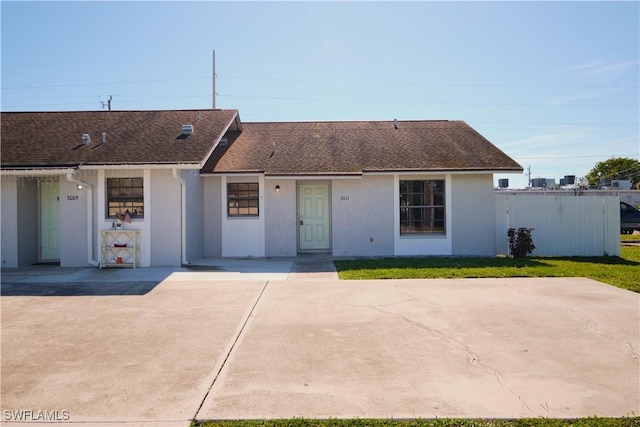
[[623, 271], [439, 422], [630, 237]]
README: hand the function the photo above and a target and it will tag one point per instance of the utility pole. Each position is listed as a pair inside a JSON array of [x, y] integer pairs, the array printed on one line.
[[213, 82], [529, 173], [108, 103]]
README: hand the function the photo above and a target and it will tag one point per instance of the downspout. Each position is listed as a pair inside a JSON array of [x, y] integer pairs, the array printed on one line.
[[183, 215], [89, 190]]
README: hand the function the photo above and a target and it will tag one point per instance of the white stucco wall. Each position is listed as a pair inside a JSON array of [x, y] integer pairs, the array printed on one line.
[[473, 215], [365, 218], [362, 216], [9, 221], [195, 214], [21, 221], [164, 225], [281, 222], [142, 224], [212, 220], [28, 224], [73, 225], [160, 229], [243, 237], [91, 177], [422, 245]]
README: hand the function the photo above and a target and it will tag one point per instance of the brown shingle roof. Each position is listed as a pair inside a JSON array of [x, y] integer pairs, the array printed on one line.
[[317, 148], [53, 139]]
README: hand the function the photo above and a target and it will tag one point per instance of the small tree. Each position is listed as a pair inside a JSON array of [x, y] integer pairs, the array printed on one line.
[[615, 168], [520, 242]]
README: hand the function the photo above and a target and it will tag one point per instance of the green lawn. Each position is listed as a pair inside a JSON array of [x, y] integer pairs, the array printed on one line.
[[623, 271], [441, 422], [630, 237]]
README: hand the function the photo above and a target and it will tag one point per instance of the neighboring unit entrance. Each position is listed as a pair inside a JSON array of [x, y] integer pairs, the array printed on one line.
[[49, 221], [313, 218]]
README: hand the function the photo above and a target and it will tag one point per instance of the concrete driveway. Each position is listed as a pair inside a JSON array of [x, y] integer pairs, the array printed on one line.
[[195, 347]]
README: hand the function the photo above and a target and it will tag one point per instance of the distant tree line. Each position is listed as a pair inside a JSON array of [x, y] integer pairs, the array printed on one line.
[[617, 168]]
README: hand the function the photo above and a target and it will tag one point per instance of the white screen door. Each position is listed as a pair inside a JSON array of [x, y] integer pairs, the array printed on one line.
[[50, 220], [313, 217]]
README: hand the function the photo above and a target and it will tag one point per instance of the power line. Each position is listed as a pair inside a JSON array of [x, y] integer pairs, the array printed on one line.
[[391, 101], [376, 60], [370, 101], [125, 101], [399, 83], [572, 156], [330, 81], [103, 84], [98, 61]]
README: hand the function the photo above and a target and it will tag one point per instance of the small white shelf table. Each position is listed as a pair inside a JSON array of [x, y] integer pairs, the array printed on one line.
[[120, 248]]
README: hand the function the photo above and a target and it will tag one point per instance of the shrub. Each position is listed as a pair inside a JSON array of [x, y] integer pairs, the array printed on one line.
[[520, 242]]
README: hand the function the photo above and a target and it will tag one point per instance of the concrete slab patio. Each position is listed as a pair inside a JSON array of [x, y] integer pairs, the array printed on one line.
[[497, 348], [128, 359], [210, 347]]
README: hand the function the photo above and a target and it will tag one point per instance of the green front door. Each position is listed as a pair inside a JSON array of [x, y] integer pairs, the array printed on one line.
[[49, 221], [314, 217]]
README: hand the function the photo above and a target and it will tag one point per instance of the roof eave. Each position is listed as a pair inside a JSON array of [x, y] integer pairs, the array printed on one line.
[[236, 172], [322, 174], [236, 119], [121, 166], [54, 171], [443, 170]]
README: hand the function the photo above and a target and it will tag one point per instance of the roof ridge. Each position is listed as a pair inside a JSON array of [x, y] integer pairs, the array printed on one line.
[[121, 111], [353, 121]]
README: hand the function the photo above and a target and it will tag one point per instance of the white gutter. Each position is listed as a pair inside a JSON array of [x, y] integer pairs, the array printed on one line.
[[36, 172], [89, 190], [65, 171], [308, 177], [183, 216], [442, 172], [142, 166]]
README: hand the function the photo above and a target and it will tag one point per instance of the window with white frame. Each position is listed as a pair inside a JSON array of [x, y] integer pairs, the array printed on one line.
[[422, 207], [125, 194], [243, 199]]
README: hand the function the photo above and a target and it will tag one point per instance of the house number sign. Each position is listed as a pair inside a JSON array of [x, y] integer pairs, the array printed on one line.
[[73, 198], [344, 197]]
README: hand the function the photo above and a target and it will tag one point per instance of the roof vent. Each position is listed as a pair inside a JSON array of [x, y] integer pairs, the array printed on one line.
[[85, 139], [104, 137], [395, 123], [187, 129]]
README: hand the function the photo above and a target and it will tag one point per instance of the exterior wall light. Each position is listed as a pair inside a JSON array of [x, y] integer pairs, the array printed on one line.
[[277, 188], [80, 187]]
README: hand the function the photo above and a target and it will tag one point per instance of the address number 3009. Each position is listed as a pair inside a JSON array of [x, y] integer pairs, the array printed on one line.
[[72, 197]]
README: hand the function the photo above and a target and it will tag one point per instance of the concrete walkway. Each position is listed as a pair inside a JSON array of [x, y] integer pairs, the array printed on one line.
[[50, 280], [197, 345]]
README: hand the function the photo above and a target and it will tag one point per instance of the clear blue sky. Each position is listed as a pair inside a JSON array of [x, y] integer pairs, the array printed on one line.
[[553, 84]]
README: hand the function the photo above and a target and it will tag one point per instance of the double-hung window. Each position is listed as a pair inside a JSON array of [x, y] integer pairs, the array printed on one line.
[[422, 207], [125, 194], [242, 199]]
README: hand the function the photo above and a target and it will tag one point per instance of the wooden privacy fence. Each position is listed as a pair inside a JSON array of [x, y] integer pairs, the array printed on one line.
[[565, 225]]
